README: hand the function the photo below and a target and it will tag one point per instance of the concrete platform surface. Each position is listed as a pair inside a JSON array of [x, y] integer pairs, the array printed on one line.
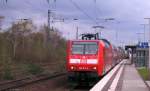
[[132, 80]]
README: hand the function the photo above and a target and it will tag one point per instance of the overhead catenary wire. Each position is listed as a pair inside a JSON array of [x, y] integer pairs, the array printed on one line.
[[30, 5], [97, 8], [81, 10]]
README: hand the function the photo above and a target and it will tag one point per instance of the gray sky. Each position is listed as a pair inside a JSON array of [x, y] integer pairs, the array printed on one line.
[[128, 14]]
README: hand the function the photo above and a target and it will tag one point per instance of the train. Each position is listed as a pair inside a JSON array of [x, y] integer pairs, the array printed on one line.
[[91, 57]]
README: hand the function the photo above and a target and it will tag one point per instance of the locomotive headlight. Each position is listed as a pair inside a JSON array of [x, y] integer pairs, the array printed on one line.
[[74, 61], [94, 68], [72, 67], [92, 61]]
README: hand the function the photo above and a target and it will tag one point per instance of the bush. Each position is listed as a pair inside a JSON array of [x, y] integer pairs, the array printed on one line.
[[34, 69], [7, 75]]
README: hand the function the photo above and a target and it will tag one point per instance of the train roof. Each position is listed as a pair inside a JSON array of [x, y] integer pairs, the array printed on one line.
[[104, 40], [85, 40], [88, 37]]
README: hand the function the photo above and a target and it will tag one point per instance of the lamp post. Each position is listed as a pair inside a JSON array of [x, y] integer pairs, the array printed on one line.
[[113, 19], [144, 27], [149, 41]]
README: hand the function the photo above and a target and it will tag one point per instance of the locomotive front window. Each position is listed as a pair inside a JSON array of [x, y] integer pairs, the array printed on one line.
[[84, 48], [77, 49], [90, 48]]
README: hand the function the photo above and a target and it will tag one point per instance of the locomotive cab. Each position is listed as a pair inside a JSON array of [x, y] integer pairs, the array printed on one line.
[[88, 58], [83, 56]]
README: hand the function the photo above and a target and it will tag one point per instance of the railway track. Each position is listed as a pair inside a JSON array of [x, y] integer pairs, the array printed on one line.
[[26, 81]]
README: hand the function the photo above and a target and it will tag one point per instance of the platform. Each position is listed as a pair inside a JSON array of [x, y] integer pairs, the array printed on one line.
[[124, 77], [132, 80]]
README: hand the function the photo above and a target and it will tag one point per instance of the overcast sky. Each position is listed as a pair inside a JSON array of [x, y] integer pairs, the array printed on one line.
[[128, 14]]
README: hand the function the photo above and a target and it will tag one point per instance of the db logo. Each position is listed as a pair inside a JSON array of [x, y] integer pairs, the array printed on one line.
[[83, 59]]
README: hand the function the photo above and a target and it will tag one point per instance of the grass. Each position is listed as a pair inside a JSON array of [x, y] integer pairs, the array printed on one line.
[[26, 69], [6, 71], [34, 69], [145, 73]]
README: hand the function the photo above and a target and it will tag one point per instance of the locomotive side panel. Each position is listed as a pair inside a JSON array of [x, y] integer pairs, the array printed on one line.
[[68, 54], [108, 60], [101, 65]]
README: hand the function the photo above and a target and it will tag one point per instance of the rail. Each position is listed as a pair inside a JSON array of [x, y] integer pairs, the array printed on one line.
[[28, 80]]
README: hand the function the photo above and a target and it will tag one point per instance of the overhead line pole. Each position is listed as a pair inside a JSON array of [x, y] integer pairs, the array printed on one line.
[[77, 33], [49, 18], [49, 21], [48, 25], [77, 28]]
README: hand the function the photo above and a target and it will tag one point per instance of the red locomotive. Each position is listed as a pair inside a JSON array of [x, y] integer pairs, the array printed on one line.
[[90, 57]]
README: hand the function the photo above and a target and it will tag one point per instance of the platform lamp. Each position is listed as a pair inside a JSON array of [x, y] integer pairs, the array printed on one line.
[[117, 22]]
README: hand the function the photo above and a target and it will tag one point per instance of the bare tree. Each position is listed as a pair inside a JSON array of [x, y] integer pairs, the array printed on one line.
[[19, 30], [1, 19]]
